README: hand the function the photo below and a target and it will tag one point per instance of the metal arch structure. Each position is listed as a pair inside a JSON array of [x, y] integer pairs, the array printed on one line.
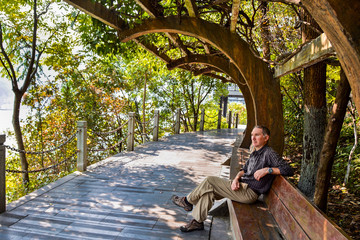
[[338, 19], [228, 68], [264, 92], [340, 22]]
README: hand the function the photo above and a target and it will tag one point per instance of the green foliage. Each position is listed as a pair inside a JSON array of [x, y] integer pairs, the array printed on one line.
[[238, 108], [102, 90], [100, 80], [292, 92], [345, 144]]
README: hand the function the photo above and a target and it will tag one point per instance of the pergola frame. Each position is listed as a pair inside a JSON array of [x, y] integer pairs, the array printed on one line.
[[253, 76]]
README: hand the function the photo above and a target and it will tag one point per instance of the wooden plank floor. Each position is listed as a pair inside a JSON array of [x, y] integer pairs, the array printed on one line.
[[126, 196]]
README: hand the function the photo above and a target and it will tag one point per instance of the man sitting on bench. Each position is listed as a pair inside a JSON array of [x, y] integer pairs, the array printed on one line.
[[254, 179]]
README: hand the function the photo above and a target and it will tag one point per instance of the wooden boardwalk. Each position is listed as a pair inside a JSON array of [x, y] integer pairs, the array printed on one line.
[[126, 196]]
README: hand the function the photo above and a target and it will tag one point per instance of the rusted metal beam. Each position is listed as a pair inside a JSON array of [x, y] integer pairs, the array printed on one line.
[[153, 13], [207, 48], [234, 15], [213, 75], [265, 92], [206, 70], [152, 49], [340, 22], [99, 12], [315, 51], [148, 8], [224, 65], [192, 8], [178, 43]]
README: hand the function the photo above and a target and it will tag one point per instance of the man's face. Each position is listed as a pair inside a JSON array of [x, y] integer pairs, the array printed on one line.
[[258, 139]]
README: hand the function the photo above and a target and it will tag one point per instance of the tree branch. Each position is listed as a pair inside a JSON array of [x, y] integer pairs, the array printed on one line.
[[11, 71], [44, 12]]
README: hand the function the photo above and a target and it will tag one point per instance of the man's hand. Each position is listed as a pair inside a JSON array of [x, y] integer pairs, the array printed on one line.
[[261, 173], [235, 185]]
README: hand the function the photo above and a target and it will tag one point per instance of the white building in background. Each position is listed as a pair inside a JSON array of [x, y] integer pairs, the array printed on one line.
[[235, 95]]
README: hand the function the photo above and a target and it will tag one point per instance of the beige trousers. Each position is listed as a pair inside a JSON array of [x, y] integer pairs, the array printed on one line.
[[215, 188]]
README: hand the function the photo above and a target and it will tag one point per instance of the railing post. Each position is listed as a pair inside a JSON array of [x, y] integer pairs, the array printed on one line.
[[82, 146], [177, 121], [237, 120], [202, 120], [230, 118], [156, 126], [219, 119], [2, 174], [131, 132]]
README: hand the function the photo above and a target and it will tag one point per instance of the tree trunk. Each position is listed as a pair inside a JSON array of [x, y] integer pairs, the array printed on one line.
[[18, 136], [330, 142], [314, 116]]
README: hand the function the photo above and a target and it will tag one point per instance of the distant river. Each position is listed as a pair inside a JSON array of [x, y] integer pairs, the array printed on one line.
[[5, 120], [6, 99], [6, 104]]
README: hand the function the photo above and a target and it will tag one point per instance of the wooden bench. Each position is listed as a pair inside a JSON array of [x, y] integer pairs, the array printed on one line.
[[284, 213]]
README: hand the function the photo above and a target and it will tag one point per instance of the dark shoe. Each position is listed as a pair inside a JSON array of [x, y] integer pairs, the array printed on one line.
[[192, 226], [180, 201]]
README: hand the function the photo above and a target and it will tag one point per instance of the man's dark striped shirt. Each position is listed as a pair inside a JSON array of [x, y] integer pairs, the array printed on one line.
[[264, 157]]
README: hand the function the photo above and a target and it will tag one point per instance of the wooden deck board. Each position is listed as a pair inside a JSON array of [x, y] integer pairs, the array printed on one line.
[[125, 196]]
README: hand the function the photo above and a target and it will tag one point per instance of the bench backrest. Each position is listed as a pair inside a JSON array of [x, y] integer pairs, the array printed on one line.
[[297, 217]]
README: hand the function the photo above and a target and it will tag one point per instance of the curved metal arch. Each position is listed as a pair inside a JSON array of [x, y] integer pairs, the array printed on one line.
[[228, 68], [264, 90], [213, 75], [211, 60], [340, 22], [208, 69]]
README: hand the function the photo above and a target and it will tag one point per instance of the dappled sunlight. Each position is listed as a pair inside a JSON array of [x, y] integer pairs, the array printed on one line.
[[128, 195]]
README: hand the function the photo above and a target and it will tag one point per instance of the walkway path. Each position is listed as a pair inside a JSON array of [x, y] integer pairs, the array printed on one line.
[[125, 196]]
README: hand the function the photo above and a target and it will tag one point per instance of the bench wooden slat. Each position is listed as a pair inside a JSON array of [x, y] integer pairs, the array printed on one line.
[[253, 221], [266, 222], [233, 221], [308, 216], [293, 215], [289, 227]]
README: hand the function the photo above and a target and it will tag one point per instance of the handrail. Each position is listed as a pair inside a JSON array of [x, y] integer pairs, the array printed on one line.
[[112, 131], [43, 169], [82, 150], [111, 147], [42, 152]]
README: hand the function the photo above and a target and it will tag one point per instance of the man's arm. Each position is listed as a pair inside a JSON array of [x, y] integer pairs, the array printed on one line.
[[235, 183], [264, 171], [279, 167]]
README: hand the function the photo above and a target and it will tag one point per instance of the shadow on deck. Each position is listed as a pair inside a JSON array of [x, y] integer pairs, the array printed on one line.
[[125, 196]]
